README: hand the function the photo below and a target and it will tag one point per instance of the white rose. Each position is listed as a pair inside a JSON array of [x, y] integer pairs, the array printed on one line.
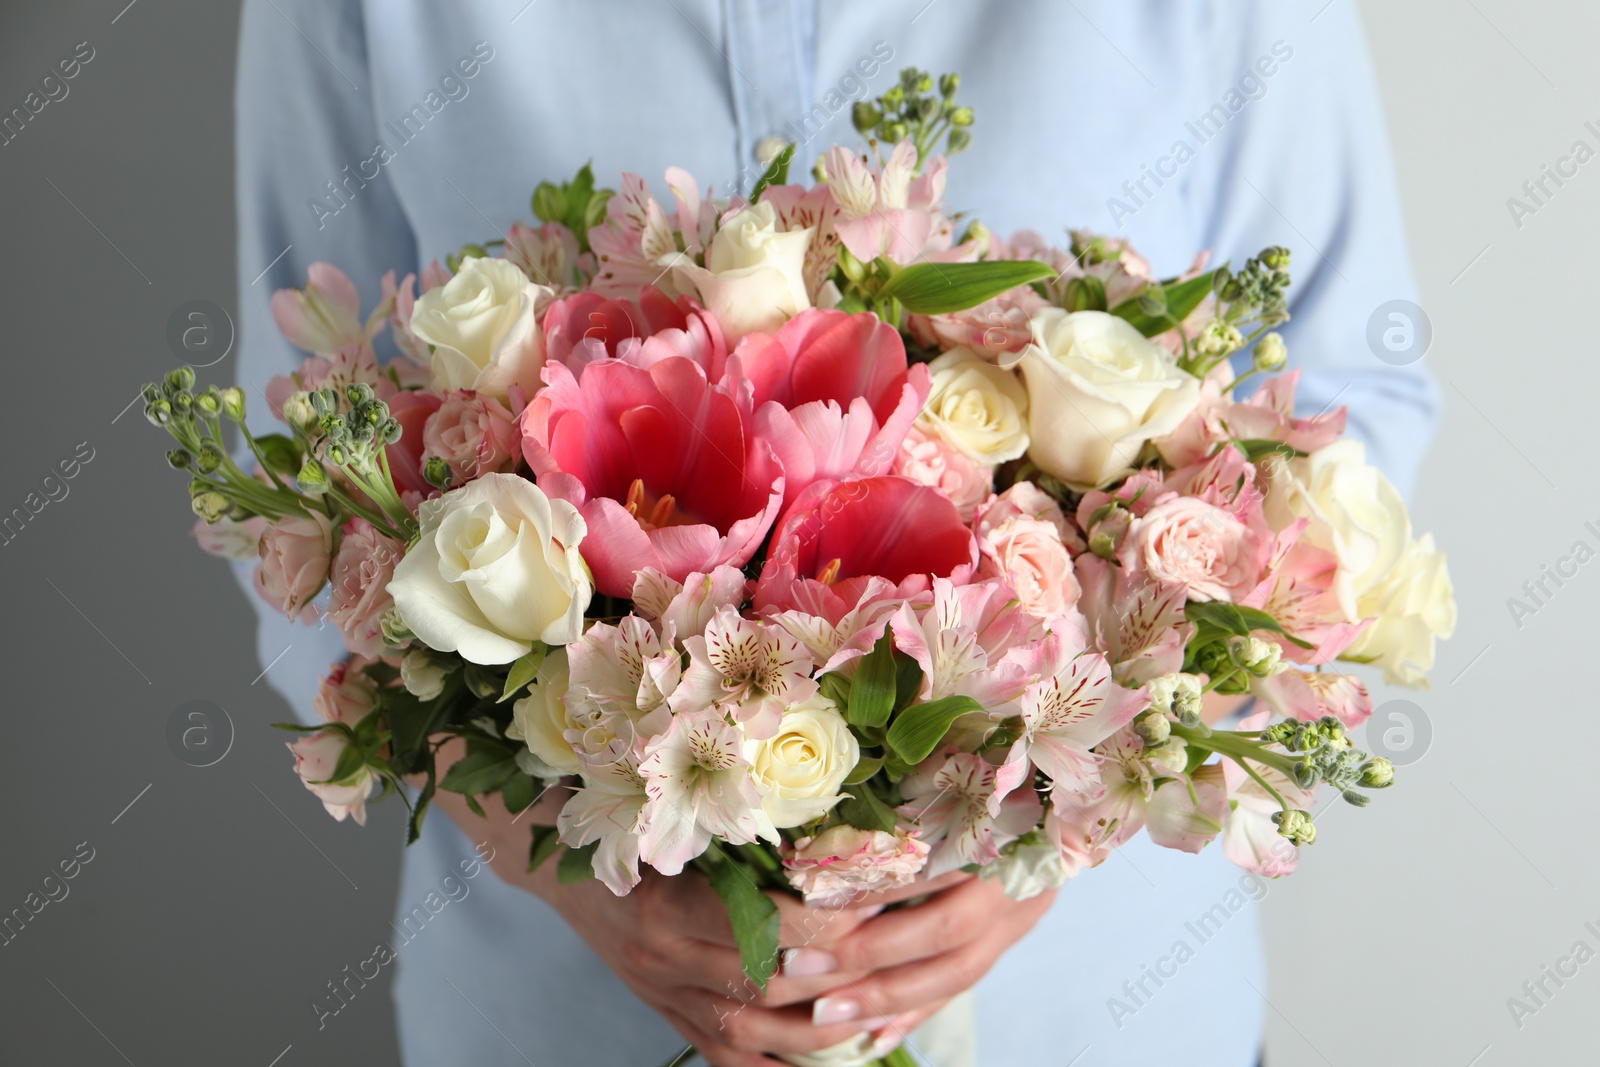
[[496, 568], [1355, 513], [484, 329], [1097, 391], [802, 766], [1411, 607], [977, 407], [541, 719], [1027, 868], [754, 277]]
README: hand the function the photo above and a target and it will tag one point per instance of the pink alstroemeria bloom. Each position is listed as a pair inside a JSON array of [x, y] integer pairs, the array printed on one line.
[[662, 464], [589, 328], [753, 670], [849, 533], [627, 668], [1249, 836], [968, 808], [962, 641], [700, 787], [1073, 706], [1139, 624], [608, 809], [1299, 592], [833, 392], [1267, 415], [1175, 817], [890, 213], [547, 254], [683, 608], [325, 316], [1309, 695]]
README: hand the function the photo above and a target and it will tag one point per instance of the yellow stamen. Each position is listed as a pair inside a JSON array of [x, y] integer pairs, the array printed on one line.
[[830, 573]]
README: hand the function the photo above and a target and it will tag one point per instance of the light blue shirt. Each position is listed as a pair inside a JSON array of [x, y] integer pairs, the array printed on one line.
[[1221, 124]]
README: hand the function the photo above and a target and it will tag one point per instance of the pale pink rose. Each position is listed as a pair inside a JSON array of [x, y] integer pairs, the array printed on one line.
[[474, 433], [231, 539], [294, 564], [360, 579], [346, 694], [316, 760], [1028, 554], [1185, 541], [843, 862], [1025, 498], [930, 460]]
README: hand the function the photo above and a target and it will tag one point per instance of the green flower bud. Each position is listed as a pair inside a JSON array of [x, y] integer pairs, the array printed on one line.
[[1085, 294], [1153, 728], [958, 141], [949, 84], [209, 403], [182, 403], [1377, 773], [1153, 300], [1276, 257], [476, 251], [179, 380], [1271, 353], [338, 454], [1259, 657], [909, 77], [865, 117], [359, 393], [233, 403], [961, 116], [1304, 774], [389, 431], [437, 471], [324, 402], [1103, 546], [1359, 800], [395, 631], [1218, 338], [159, 412], [1278, 732], [312, 479], [209, 505], [151, 393], [209, 459], [894, 97], [179, 459], [853, 268], [1296, 825], [925, 84], [895, 131]]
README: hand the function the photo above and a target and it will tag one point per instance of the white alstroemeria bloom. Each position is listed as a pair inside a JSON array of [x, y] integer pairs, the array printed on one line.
[[755, 669], [700, 787]]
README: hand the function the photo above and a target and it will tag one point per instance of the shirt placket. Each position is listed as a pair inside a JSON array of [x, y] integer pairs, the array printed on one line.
[[771, 53]]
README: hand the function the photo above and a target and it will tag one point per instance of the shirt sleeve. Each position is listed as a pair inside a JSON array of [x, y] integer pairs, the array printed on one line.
[[1306, 164], [304, 126]]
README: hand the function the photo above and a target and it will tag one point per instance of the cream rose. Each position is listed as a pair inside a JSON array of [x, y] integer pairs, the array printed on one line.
[[541, 719], [496, 568], [976, 406], [483, 326], [1097, 391], [802, 766], [1354, 512], [754, 277], [1412, 606]]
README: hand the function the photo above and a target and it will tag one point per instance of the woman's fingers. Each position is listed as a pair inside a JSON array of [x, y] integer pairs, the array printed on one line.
[[951, 918], [713, 1051], [748, 1027], [914, 986]]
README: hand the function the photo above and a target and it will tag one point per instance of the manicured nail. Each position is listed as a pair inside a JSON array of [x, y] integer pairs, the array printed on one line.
[[867, 913], [829, 1010], [877, 1022], [808, 962], [894, 1034]]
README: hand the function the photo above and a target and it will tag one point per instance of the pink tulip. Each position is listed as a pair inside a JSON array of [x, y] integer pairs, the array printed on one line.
[[663, 465], [845, 534], [587, 328], [411, 408]]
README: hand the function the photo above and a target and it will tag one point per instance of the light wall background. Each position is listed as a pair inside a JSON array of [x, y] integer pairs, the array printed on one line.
[[217, 903]]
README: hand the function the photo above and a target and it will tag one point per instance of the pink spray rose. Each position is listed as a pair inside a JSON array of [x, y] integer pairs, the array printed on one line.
[[843, 862], [346, 694], [473, 433], [930, 460], [294, 564], [360, 579], [1185, 541], [411, 408], [316, 761]]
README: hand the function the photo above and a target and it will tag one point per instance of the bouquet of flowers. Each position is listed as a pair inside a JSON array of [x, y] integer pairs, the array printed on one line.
[[801, 540]]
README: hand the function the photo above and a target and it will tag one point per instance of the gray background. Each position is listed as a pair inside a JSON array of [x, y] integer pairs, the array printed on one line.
[[219, 904]]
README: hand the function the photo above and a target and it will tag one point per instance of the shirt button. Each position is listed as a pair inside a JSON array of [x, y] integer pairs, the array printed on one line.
[[768, 147]]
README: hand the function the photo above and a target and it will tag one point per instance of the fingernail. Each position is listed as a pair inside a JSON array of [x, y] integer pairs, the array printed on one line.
[[829, 1010], [808, 962], [877, 1022], [894, 1034], [867, 913]]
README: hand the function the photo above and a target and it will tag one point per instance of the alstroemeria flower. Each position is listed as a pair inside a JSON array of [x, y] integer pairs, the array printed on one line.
[[753, 669], [1309, 695], [962, 639], [663, 465], [849, 533], [1249, 836], [325, 316], [1175, 816], [700, 787], [889, 213], [626, 667], [968, 808], [1266, 415], [608, 809], [1138, 623]]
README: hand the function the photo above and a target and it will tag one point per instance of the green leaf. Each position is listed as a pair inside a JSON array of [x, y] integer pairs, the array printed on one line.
[[865, 768], [524, 671], [518, 792], [420, 808], [1255, 449], [776, 174], [1237, 620], [484, 769], [410, 723], [919, 729], [907, 681], [1182, 298], [753, 916], [577, 864], [939, 288], [872, 695], [546, 843], [865, 810]]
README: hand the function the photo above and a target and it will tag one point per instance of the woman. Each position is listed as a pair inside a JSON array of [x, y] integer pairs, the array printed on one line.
[[379, 136]]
